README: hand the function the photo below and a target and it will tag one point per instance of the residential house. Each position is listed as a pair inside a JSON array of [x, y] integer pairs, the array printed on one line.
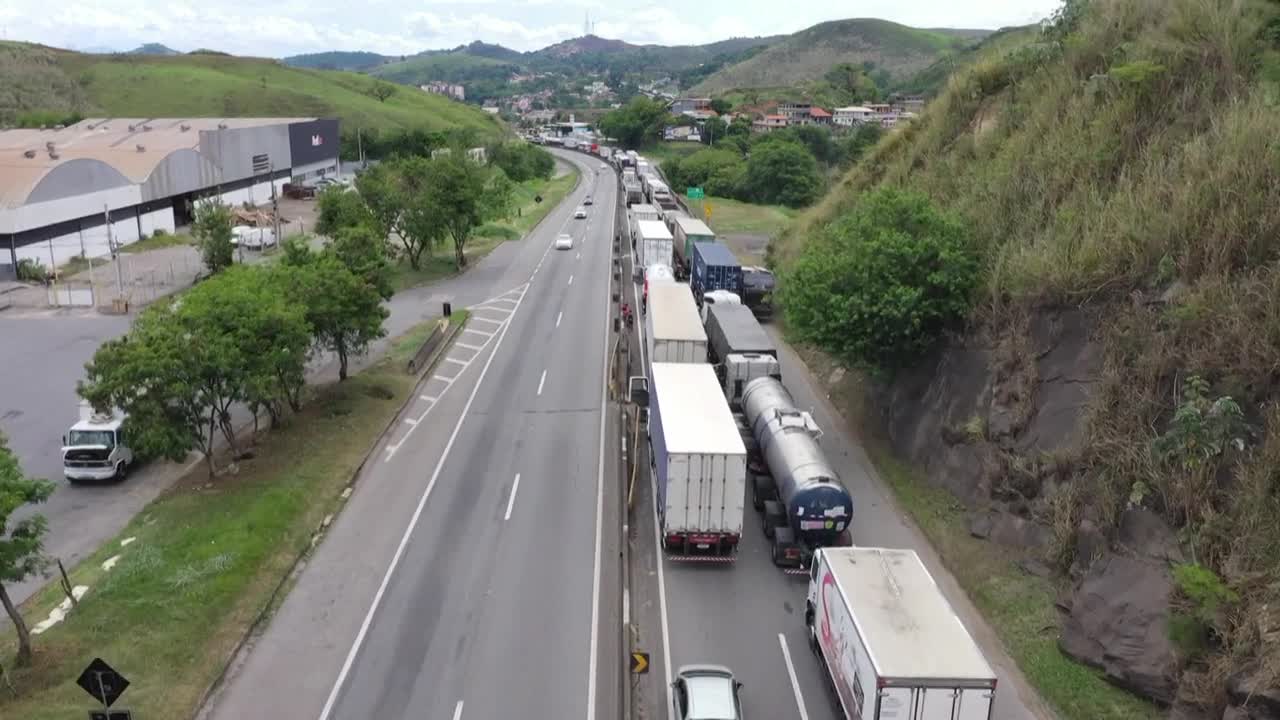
[[909, 104], [795, 112], [768, 123], [818, 116], [681, 106], [701, 115], [543, 116], [457, 92], [853, 115]]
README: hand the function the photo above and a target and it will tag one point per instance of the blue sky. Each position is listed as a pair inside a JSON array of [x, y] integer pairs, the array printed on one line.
[[286, 27]]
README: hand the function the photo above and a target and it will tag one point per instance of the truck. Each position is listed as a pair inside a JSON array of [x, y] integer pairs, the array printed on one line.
[[653, 243], [714, 268], [738, 348], [689, 231], [757, 290], [653, 275], [714, 297], [889, 642], [803, 503], [636, 213], [633, 191], [96, 447], [698, 460], [673, 332]]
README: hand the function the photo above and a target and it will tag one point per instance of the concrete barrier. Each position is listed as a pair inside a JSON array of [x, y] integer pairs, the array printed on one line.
[[419, 359]]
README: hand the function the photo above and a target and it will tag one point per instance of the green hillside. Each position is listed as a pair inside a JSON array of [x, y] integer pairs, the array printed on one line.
[[33, 78], [931, 80], [1119, 170], [806, 55], [457, 66], [337, 60]]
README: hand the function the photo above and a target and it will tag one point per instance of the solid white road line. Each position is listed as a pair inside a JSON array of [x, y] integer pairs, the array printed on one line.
[[626, 605], [791, 673], [511, 502], [543, 380], [558, 316], [408, 532], [595, 577], [457, 710]]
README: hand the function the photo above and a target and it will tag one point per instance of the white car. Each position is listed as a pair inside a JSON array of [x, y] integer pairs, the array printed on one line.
[[580, 213], [564, 241], [706, 692]]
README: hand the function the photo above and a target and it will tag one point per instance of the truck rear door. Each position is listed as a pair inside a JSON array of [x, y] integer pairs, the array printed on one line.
[[935, 703]]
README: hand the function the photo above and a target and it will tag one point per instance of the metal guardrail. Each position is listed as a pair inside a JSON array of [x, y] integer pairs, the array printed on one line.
[[429, 346]]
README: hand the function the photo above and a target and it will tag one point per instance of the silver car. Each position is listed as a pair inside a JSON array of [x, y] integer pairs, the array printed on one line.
[[706, 692]]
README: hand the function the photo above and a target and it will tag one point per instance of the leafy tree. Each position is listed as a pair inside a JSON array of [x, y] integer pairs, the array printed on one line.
[[380, 188], [854, 81], [856, 143], [521, 161], [721, 106], [212, 230], [637, 123], [817, 140], [21, 541], [382, 90], [340, 209], [782, 172], [713, 128], [740, 127], [883, 281], [463, 195], [420, 224], [344, 312], [365, 254], [698, 168]]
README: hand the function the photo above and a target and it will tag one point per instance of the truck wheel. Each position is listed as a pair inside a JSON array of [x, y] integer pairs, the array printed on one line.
[[772, 512], [121, 471]]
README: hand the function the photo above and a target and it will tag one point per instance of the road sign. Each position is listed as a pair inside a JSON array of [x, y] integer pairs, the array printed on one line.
[[706, 209], [640, 663], [102, 682], [537, 198], [695, 193], [110, 715]]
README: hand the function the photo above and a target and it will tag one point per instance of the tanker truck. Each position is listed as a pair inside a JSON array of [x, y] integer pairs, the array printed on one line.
[[804, 505]]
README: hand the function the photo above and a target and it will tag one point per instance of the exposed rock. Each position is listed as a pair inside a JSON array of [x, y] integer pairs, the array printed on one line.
[[1187, 711], [1251, 701], [961, 469], [1013, 531], [1067, 366], [1034, 567], [1146, 534], [980, 525], [1235, 713], [1118, 622]]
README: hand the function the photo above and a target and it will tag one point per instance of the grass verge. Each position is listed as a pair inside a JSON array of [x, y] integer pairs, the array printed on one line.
[[206, 560], [1017, 605], [735, 216], [155, 242], [668, 149], [525, 214]]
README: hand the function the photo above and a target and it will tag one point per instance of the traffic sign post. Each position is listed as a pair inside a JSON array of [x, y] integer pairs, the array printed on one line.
[[105, 685], [695, 193], [640, 663], [706, 210]]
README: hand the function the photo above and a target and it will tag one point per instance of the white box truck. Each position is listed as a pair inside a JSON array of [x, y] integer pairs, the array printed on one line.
[[95, 448], [698, 460], [890, 642], [653, 243], [673, 331]]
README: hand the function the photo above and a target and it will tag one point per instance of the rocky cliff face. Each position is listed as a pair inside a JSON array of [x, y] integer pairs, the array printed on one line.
[[998, 419]]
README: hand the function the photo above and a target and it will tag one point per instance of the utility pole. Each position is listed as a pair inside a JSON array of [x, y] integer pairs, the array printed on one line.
[[275, 205], [359, 148], [115, 255], [53, 272]]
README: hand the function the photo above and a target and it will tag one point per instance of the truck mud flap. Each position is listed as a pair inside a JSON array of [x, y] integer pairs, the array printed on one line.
[[713, 559]]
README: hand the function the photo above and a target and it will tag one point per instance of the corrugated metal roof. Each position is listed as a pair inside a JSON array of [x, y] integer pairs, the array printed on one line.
[[113, 141]]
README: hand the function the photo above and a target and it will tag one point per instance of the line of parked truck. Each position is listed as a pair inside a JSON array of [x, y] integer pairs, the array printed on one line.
[[721, 424]]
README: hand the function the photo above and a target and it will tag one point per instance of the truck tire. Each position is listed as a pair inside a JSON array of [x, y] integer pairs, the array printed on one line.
[[773, 516], [761, 489], [122, 470]]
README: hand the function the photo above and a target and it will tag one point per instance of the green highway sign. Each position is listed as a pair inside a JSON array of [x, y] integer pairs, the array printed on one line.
[[695, 193]]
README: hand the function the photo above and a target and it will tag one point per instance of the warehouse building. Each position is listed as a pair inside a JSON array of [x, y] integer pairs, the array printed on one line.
[[58, 187]]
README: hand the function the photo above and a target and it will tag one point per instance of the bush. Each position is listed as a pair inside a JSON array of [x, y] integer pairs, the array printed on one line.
[[782, 172], [882, 282], [522, 161], [29, 270]]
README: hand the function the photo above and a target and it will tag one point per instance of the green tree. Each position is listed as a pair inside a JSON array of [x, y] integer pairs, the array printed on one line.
[[212, 230], [396, 192], [721, 106], [782, 172], [340, 209], [637, 123], [343, 310], [365, 254], [21, 541], [521, 161], [713, 129], [382, 90], [462, 196], [881, 283], [856, 143]]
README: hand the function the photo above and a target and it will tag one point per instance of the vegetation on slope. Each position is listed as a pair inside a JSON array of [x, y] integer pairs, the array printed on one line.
[[1127, 160], [930, 81], [33, 79], [338, 60], [810, 53]]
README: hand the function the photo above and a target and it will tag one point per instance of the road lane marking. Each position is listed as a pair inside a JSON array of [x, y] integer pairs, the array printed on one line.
[[443, 379], [460, 344], [457, 710], [791, 673], [543, 380], [485, 319], [410, 422], [626, 606], [428, 398], [593, 660], [455, 361], [558, 316], [478, 332], [327, 710], [571, 281], [511, 502]]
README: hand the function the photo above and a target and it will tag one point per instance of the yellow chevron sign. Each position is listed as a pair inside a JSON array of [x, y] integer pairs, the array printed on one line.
[[640, 663]]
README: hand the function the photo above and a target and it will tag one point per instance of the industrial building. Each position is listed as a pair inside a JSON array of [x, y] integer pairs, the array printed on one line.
[[58, 187]]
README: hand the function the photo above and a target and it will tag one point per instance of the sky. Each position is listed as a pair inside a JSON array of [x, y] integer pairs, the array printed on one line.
[[279, 28]]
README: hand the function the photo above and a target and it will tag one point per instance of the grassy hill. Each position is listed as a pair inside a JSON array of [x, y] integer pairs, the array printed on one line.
[[34, 78], [1121, 166], [931, 80], [806, 55], [457, 66], [338, 60]]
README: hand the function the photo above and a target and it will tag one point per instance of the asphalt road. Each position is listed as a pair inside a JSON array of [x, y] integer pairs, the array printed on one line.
[[472, 573], [749, 615]]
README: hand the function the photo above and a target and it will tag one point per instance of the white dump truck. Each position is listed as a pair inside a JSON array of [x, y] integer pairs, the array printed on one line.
[[95, 448], [890, 642]]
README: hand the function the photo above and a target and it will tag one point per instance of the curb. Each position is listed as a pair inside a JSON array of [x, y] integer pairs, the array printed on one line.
[[270, 606]]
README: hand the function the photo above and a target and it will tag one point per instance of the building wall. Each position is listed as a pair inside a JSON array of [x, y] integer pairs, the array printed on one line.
[[245, 152], [33, 216], [182, 171], [313, 142]]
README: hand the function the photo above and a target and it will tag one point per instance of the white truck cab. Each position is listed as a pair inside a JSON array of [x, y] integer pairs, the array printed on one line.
[[95, 448], [717, 296]]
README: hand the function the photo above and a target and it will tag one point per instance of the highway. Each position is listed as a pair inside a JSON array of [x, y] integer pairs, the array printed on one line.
[[473, 573], [749, 615]]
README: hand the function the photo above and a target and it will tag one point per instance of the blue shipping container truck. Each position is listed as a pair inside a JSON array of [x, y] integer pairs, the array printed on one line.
[[714, 268]]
